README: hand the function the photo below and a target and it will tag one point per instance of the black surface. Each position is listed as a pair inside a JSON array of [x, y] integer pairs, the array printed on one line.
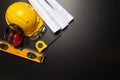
[[89, 47]]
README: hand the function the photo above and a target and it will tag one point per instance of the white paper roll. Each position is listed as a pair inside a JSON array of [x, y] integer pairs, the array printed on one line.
[[62, 11]]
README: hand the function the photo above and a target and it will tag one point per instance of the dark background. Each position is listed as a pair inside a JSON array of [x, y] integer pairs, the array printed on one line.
[[89, 48]]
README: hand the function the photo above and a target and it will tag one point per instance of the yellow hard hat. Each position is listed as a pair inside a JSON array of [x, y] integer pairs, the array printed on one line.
[[23, 15]]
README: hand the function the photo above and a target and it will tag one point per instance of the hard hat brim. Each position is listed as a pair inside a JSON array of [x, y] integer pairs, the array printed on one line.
[[38, 28]]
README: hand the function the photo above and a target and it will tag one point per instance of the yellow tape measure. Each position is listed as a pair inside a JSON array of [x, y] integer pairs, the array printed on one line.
[[41, 45]]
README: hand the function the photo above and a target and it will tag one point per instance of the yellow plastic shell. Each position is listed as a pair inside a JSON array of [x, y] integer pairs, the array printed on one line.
[[42, 44], [23, 15]]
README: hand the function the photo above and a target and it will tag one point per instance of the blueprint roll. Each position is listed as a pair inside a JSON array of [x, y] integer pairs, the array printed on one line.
[[62, 11], [54, 15]]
